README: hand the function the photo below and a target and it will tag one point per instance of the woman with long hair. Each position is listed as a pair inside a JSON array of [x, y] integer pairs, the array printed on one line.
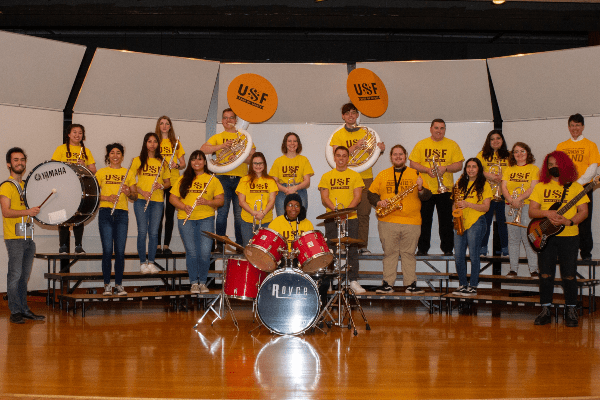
[[292, 172], [558, 184], [256, 190], [199, 211], [472, 194], [518, 181], [164, 130], [146, 168], [494, 158], [73, 151], [113, 225]]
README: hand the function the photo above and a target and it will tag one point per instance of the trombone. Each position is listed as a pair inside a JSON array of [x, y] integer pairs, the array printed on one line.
[[254, 230], [198, 198]]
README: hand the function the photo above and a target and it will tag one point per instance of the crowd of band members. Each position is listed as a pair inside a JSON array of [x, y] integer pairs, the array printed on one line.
[[254, 194]]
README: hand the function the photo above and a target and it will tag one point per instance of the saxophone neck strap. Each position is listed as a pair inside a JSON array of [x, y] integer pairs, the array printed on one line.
[[397, 183]]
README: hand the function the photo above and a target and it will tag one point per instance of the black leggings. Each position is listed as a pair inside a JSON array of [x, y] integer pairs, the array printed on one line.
[[168, 216], [63, 234]]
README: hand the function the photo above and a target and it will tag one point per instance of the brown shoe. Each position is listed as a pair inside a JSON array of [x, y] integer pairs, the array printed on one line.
[[511, 274], [535, 274]]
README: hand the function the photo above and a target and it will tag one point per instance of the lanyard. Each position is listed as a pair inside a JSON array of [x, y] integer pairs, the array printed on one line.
[[397, 183]]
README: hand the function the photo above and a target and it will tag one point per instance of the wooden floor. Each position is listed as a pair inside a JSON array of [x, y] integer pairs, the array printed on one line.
[[146, 351]]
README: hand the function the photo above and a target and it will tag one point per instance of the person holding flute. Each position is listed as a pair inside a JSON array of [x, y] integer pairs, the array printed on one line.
[[196, 196]]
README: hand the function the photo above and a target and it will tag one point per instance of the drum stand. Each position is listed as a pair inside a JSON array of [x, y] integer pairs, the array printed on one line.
[[344, 293]]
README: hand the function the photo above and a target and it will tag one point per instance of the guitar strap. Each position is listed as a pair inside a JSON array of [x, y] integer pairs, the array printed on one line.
[[567, 186]]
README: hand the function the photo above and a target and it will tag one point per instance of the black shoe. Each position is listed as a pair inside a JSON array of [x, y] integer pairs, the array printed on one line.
[[159, 250], [412, 288], [219, 247], [384, 288], [31, 315], [62, 249], [544, 318], [448, 253], [17, 318], [79, 249], [421, 253], [586, 257], [571, 319], [167, 251]]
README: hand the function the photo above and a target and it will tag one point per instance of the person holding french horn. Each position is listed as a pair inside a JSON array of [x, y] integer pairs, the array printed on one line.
[[196, 196]]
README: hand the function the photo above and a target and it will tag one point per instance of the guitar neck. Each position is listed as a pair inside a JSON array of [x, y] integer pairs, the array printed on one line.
[[575, 199]]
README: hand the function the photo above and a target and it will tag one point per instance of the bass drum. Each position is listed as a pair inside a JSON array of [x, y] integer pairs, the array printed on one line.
[[288, 302], [76, 198]]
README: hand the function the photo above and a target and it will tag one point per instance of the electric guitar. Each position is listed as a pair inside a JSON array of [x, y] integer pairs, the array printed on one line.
[[540, 229]]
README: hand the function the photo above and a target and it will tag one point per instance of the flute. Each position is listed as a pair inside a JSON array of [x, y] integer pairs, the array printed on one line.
[[174, 150], [120, 190], [198, 198], [155, 180]]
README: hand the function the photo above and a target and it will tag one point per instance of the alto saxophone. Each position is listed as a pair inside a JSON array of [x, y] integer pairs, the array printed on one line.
[[459, 224], [394, 203], [434, 168]]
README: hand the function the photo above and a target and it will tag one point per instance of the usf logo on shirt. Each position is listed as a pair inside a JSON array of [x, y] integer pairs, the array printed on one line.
[[440, 154], [520, 176], [339, 183], [110, 179], [149, 170], [552, 195], [289, 170], [259, 187]]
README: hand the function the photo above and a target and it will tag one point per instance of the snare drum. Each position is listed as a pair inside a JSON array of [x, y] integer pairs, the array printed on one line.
[[314, 254], [263, 249], [242, 279], [76, 198], [288, 302]]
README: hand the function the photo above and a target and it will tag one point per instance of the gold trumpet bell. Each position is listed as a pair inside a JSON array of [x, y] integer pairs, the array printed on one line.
[[362, 155]]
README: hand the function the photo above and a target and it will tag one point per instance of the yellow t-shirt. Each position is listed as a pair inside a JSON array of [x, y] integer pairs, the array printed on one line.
[[9, 191], [260, 188], [287, 228], [166, 149], [343, 137], [145, 179], [109, 180], [583, 153], [448, 153], [220, 138], [495, 160], [516, 176], [71, 157], [285, 168], [384, 186], [198, 184], [546, 194], [341, 185], [470, 216]]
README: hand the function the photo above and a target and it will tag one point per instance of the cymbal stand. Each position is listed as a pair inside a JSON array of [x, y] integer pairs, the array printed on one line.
[[222, 298]]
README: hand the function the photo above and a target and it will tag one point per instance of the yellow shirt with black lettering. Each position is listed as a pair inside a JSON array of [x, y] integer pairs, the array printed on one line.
[[583, 153], [341, 185], [109, 180], [343, 137], [493, 162], [287, 228], [166, 150], [285, 168], [72, 155], [546, 194], [9, 191], [516, 176], [146, 177], [470, 216], [220, 138], [384, 185], [447, 152], [260, 188], [198, 184]]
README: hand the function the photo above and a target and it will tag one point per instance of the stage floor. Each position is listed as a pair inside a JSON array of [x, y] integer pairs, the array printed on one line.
[[147, 351]]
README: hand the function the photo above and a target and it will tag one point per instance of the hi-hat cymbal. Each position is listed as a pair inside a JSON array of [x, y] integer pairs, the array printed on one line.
[[347, 240], [335, 214], [223, 239]]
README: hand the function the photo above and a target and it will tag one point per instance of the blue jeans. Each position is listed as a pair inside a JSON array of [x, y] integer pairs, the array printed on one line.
[[247, 231], [20, 261], [197, 246], [498, 208], [279, 200], [113, 234], [147, 225], [229, 184], [472, 237]]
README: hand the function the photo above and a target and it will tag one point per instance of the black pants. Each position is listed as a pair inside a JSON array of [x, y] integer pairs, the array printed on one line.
[[586, 241], [561, 249], [63, 234], [446, 229], [168, 216]]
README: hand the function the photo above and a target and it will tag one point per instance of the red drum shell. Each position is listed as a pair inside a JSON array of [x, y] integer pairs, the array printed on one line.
[[263, 249], [242, 279], [314, 253]]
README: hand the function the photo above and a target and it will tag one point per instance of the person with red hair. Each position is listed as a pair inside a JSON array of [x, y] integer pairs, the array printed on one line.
[[558, 184]]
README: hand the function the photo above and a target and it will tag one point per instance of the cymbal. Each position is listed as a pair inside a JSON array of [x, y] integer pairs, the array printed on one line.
[[347, 240], [223, 239], [335, 214]]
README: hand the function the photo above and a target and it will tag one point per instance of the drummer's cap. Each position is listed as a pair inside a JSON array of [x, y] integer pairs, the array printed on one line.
[[296, 197]]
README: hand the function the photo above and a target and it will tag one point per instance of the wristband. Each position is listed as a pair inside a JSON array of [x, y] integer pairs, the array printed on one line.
[[572, 223]]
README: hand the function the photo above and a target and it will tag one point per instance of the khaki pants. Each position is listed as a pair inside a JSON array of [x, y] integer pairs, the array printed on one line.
[[399, 240], [364, 214]]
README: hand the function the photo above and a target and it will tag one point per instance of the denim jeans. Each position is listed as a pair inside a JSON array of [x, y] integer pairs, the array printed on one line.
[[247, 231], [113, 234], [472, 237], [20, 261], [147, 225], [197, 246], [229, 184], [496, 207], [279, 200]]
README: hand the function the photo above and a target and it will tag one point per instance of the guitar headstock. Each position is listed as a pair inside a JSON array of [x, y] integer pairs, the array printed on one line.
[[596, 180]]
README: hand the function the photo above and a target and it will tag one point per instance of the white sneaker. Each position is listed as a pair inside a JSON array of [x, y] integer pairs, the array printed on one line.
[[354, 285], [195, 288], [203, 288], [120, 291], [144, 268], [153, 268], [107, 290]]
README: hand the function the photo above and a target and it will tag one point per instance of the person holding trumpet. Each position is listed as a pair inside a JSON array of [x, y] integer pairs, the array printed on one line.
[[113, 215], [196, 196]]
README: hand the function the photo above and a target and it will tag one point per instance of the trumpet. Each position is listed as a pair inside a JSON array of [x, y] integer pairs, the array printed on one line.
[[394, 203], [254, 230], [155, 180], [435, 169], [198, 198], [496, 189], [120, 190], [516, 211], [459, 224]]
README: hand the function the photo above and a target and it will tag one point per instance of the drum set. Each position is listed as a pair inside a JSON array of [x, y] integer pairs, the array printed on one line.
[[284, 284]]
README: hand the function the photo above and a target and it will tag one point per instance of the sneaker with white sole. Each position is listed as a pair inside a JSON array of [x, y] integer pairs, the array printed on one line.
[[120, 290], [195, 288], [107, 290], [384, 288], [144, 268], [470, 291], [203, 288], [355, 286], [461, 290], [412, 288], [153, 268]]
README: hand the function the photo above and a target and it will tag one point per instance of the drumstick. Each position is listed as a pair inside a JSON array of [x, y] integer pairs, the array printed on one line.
[[53, 191]]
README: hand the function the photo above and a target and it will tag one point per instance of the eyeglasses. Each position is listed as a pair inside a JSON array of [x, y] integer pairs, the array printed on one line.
[[258, 163], [290, 205]]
